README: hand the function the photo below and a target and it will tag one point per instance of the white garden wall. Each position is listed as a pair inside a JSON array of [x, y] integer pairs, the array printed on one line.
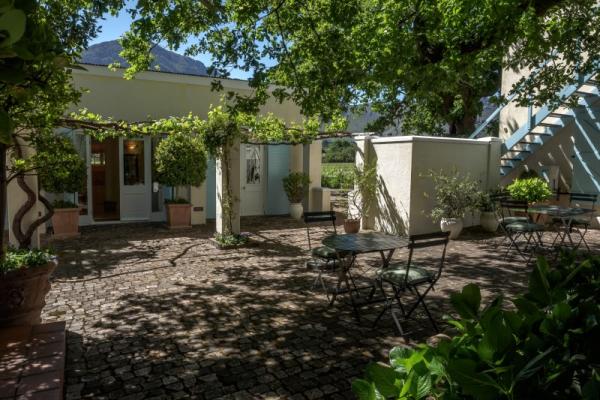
[[403, 162]]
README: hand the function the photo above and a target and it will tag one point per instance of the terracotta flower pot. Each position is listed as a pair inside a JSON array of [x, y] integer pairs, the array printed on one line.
[[351, 225], [65, 223], [179, 216], [23, 294]]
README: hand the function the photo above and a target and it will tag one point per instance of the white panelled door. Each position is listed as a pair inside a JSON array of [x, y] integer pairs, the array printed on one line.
[[252, 179], [134, 171]]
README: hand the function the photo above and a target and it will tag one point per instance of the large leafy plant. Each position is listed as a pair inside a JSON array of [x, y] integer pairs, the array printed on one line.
[[530, 190], [545, 347], [364, 196], [454, 194], [296, 186]]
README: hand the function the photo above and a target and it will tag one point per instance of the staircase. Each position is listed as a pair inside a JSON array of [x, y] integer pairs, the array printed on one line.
[[543, 125]]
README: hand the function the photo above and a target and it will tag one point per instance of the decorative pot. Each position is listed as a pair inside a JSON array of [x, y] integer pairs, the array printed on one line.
[[488, 221], [179, 216], [23, 294], [296, 210], [452, 225], [351, 225], [65, 223]]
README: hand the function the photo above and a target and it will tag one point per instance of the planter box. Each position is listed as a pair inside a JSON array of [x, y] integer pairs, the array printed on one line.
[[179, 216], [65, 223], [23, 294]]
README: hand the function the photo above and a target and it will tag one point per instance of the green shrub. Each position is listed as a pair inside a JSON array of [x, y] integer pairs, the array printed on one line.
[[530, 190], [544, 348], [337, 176], [60, 168], [64, 204], [454, 194], [231, 239], [296, 186], [180, 159], [19, 258], [340, 151], [177, 200]]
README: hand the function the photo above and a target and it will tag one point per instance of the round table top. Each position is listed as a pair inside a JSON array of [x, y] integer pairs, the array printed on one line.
[[559, 211], [365, 242]]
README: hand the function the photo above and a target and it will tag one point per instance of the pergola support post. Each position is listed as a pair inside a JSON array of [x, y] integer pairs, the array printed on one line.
[[228, 175]]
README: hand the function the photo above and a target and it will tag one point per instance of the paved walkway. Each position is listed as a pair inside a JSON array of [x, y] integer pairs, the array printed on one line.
[[153, 313]]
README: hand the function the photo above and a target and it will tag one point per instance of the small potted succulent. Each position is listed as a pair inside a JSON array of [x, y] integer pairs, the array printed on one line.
[[454, 196], [487, 217], [179, 160], [296, 186]]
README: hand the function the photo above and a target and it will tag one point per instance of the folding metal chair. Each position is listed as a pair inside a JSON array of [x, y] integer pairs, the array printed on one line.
[[322, 257], [413, 277], [580, 225], [517, 226]]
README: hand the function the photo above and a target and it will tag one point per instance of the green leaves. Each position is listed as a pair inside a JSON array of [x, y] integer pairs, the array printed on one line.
[[5, 128], [467, 302], [546, 348], [530, 190], [180, 159], [12, 26]]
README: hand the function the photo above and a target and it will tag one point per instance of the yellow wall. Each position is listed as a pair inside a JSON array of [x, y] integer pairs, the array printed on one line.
[[158, 95]]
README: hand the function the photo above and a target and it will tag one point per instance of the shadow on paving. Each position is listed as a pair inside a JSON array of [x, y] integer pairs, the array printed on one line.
[[160, 314]]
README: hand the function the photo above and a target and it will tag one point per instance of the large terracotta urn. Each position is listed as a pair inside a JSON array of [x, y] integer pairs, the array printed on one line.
[[179, 215], [65, 223], [23, 294]]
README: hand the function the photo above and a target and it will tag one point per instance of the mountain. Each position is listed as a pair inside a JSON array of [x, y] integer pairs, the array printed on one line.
[[108, 52]]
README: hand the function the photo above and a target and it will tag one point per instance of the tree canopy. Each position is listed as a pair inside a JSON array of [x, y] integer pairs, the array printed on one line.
[[428, 62]]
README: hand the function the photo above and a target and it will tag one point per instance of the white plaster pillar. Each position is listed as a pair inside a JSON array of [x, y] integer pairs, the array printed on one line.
[[312, 167], [296, 158], [366, 153], [493, 162], [234, 185], [16, 197]]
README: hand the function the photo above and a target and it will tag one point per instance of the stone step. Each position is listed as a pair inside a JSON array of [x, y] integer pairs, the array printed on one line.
[[32, 361]]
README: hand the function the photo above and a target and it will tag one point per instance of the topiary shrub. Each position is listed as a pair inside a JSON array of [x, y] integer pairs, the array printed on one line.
[[545, 347], [60, 168], [296, 186], [179, 160], [530, 190]]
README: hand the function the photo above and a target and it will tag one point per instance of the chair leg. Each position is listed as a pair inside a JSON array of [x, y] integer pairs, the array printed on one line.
[[421, 301]]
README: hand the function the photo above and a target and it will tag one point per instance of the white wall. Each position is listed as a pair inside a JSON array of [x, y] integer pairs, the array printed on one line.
[[403, 162]]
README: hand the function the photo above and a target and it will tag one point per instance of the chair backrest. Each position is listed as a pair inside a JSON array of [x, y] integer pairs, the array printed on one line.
[[428, 241], [509, 206], [583, 198], [316, 217]]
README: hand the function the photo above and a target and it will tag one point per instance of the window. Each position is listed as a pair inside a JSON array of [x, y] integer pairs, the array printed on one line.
[[133, 162], [253, 165]]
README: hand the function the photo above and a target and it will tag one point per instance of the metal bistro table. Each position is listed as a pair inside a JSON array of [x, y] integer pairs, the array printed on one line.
[[566, 216], [348, 247]]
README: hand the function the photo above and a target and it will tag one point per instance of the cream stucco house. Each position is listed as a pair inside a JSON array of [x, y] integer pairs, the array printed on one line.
[[120, 185]]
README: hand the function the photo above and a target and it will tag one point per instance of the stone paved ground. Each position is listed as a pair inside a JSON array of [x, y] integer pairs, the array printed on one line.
[[153, 313]]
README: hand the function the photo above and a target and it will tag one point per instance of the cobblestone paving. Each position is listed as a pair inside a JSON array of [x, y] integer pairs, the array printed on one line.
[[158, 314]]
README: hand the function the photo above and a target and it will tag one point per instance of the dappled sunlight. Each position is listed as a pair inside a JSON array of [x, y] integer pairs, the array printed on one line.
[[165, 313]]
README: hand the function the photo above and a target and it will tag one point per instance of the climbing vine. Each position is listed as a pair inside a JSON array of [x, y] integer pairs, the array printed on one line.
[[218, 132]]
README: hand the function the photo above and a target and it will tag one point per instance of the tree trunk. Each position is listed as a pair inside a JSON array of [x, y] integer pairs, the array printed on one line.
[[3, 202]]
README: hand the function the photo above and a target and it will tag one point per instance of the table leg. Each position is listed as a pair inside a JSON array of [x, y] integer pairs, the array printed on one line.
[[342, 276]]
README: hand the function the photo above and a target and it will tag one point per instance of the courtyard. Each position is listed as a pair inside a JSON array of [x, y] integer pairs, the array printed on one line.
[[157, 313]]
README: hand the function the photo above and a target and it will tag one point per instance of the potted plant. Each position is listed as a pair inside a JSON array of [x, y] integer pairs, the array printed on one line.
[[531, 190], [454, 195], [23, 285], [61, 170], [487, 217], [296, 186], [179, 160], [362, 198]]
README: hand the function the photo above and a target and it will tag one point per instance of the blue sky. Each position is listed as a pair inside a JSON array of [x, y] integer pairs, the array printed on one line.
[[113, 27]]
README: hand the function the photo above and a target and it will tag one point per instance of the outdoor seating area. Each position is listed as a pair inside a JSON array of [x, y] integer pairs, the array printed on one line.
[[154, 313]]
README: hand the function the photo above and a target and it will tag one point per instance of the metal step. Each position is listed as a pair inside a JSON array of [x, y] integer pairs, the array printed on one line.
[[550, 125], [560, 115], [510, 159], [519, 151], [529, 142]]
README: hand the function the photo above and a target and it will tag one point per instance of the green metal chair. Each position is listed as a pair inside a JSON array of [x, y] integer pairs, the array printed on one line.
[[520, 226], [416, 278]]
